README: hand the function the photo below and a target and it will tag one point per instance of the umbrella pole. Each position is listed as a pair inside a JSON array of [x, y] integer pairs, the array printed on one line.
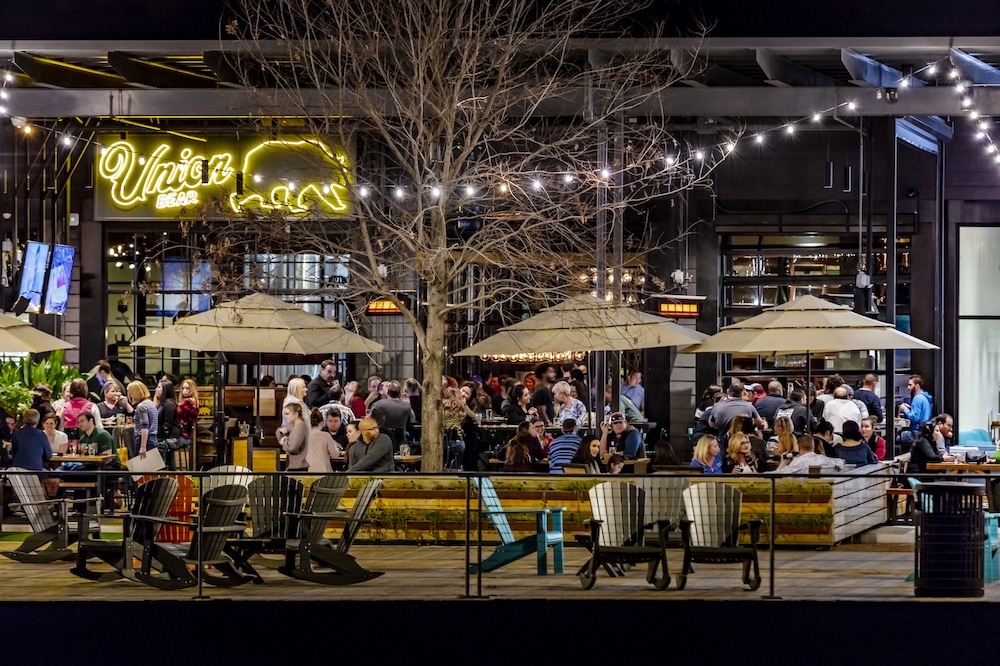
[[220, 410], [258, 433], [809, 386]]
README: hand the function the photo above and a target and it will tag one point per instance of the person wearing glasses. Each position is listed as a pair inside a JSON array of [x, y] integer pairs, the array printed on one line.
[[376, 453]]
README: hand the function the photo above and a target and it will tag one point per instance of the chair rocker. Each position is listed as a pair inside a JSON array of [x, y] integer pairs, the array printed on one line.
[[152, 499], [52, 533], [312, 548], [273, 500], [511, 549], [166, 566], [617, 535], [711, 534]]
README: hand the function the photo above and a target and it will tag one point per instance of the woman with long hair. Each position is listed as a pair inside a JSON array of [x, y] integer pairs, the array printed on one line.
[[706, 455], [458, 420], [295, 393], [166, 409], [187, 411], [589, 455], [321, 447], [518, 410], [355, 402], [739, 456], [522, 450], [79, 402], [145, 420], [294, 438], [783, 441]]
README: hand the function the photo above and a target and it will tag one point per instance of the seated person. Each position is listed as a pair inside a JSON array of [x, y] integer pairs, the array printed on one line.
[[29, 446], [563, 448], [616, 463], [808, 457], [334, 425], [373, 453], [854, 450], [706, 455], [522, 450], [663, 455], [871, 438], [823, 437], [618, 434], [92, 433], [588, 453], [739, 459], [923, 450]]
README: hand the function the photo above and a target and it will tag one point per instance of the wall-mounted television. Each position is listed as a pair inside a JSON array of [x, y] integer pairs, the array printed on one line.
[[36, 260], [60, 274], [184, 286]]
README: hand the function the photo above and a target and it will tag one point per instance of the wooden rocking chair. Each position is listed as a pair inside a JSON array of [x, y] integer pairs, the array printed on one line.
[[711, 534]]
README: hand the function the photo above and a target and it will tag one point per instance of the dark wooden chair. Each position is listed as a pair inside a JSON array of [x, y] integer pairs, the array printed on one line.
[[511, 549], [617, 535], [274, 501], [153, 499], [180, 510], [711, 533], [52, 532], [310, 556], [167, 566]]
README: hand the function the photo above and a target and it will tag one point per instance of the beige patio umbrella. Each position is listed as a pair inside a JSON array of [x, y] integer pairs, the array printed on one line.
[[20, 337], [807, 325], [585, 323], [259, 324]]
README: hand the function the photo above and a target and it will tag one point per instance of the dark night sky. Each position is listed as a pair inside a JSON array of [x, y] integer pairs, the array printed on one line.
[[201, 19]]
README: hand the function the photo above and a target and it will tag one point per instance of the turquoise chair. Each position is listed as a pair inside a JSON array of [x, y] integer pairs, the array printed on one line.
[[991, 549]]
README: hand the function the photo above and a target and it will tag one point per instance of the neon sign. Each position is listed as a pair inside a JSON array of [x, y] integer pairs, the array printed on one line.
[[144, 179]]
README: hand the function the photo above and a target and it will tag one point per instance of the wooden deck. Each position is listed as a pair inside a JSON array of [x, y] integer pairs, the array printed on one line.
[[435, 573]]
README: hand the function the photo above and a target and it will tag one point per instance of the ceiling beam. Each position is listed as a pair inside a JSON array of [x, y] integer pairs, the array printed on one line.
[[973, 69], [783, 72], [64, 75], [676, 102], [868, 71], [157, 75]]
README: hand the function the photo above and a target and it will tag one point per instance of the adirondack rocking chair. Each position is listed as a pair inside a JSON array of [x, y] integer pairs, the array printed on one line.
[[226, 475], [166, 566], [617, 535], [711, 534], [664, 500], [180, 509], [310, 556], [511, 549], [152, 499], [273, 499], [52, 532]]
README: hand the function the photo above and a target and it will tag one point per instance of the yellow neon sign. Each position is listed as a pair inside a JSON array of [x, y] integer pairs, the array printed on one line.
[[165, 181]]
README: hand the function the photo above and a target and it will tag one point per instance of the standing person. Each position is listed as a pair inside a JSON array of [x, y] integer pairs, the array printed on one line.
[[144, 420], [412, 394], [57, 439], [95, 385], [541, 398], [42, 399], [393, 413], [841, 409], [320, 447], [867, 395], [295, 393], [819, 404], [336, 404], [633, 390], [318, 392], [374, 382], [918, 410], [569, 407], [871, 438], [294, 438], [187, 412], [373, 453], [706, 455], [114, 403], [733, 406], [353, 400], [456, 415], [169, 435], [795, 410], [29, 446]]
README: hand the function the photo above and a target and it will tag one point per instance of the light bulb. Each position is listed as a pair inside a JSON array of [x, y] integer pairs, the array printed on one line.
[[852, 106], [670, 159], [256, 178], [960, 88], [605, 173], [502, 187], [699, 155], [8, 77], [142, 160], [983, 124], [470, 190], [817, 117], [399, 193], [536, 184], [3, 110], [730, 147], [363, 191], [568, 178], [326, 189], [973, 114], [291, 185], [953, 74], [905, 83], [966, 102], [980, 135], [790, 129], [759, 138], [67, 141], [932, 69], [3, 94], [27, 129]]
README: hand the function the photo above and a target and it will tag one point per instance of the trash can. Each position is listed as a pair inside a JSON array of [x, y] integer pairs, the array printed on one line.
[[949, 542]]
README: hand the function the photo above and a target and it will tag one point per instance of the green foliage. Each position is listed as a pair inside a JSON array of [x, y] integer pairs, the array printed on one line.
[[46, 370], [15, 399]]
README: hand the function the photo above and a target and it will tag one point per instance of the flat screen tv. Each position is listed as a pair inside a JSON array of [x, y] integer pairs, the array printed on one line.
[[36, 260], [184, 286], [60, 274]]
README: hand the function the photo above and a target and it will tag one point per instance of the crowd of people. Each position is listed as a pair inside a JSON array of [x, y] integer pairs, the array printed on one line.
[[751, 428]]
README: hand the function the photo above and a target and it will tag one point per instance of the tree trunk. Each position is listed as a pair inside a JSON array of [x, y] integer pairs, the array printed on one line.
[[432, 427]]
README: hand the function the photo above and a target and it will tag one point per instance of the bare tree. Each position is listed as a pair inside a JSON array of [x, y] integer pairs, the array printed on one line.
[[491, 146]]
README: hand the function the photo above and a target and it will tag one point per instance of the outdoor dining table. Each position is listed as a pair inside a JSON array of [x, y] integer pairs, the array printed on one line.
[[94, 462], [989, 470]]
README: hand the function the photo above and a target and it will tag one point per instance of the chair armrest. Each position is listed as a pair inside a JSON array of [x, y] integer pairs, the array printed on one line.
[[59, 500], [163, 521], [508, 511], [224, 528], [336, 514]]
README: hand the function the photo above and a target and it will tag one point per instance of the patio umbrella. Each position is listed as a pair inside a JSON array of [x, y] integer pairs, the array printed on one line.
[[807, 325], [259, 324], [19, 337], [585, 323]]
